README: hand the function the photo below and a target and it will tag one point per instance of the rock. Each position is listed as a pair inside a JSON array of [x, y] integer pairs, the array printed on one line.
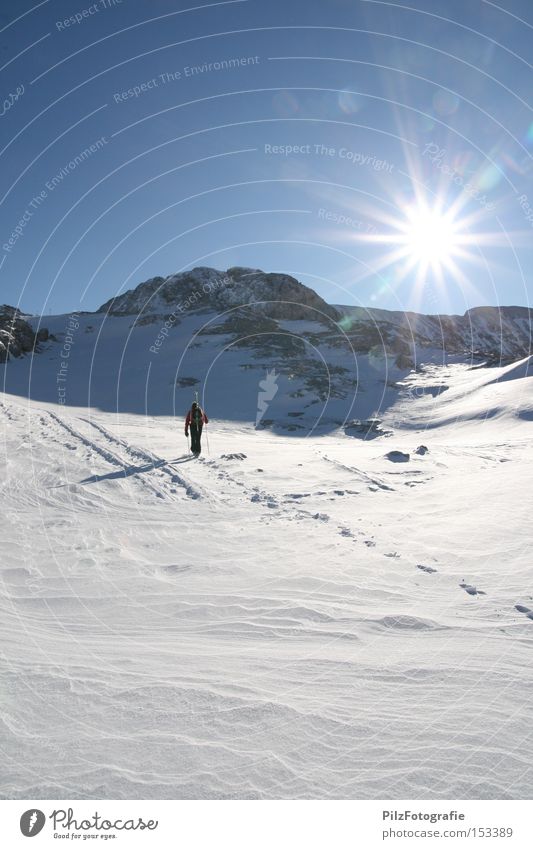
[[404, 361], [422, 449], [365, 429], [471, 590], [16, 335], [397, 457]]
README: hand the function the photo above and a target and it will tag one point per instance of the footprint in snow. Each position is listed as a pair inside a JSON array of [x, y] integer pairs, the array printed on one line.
[[322, 516], [258, 498], [526, 610], [470, 589], [428, 569]]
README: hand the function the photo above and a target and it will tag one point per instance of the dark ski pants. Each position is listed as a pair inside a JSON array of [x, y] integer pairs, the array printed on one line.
[[196, 435]]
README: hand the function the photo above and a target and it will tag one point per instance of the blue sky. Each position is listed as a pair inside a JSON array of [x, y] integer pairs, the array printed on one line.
[[380, 152]]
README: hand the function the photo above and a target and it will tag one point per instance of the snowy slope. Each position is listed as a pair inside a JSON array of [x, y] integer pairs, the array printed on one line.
[[464, 397], [117, 364], [146, 350], [284, 618]]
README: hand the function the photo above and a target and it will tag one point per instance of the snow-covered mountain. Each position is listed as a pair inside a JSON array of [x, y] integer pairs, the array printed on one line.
[[497, 335], [225, 332], [278, 296]]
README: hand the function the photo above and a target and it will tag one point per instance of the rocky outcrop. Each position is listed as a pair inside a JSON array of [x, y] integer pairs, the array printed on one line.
[[16, 335], [497, 335], [276, 296]]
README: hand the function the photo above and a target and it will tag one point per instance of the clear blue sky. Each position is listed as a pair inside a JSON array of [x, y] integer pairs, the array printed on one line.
[[409, 184]]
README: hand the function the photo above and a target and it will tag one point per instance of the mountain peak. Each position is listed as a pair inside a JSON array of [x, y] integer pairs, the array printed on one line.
[[272, 294]]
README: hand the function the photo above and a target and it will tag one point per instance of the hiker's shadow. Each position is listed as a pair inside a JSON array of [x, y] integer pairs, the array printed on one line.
[[129, 471], [126, 472]]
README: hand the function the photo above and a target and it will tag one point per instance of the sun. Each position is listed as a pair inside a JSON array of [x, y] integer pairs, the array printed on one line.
[[428, 237], [427, 242]]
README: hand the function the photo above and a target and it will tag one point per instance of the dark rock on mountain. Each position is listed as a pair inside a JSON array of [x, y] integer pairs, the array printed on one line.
[[16, 335], [365, 429]]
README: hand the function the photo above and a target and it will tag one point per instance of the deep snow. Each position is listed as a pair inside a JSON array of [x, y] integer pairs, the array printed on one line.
[[311, 619]]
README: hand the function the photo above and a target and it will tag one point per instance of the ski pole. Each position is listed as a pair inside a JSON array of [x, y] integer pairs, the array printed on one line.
[[207, 440]]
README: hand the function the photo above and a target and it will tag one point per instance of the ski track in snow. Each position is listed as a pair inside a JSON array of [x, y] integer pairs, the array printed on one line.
[[107, 455], [371, 482], [139, 454]]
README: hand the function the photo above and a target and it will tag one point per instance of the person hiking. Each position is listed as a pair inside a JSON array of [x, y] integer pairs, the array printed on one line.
[[196, 418]]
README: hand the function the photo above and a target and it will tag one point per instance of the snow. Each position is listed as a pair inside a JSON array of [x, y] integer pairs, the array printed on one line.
[[113, 367], [284, 618], [464, 397]]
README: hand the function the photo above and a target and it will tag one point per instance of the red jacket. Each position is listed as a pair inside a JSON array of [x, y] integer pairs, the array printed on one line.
[[188, 420]]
